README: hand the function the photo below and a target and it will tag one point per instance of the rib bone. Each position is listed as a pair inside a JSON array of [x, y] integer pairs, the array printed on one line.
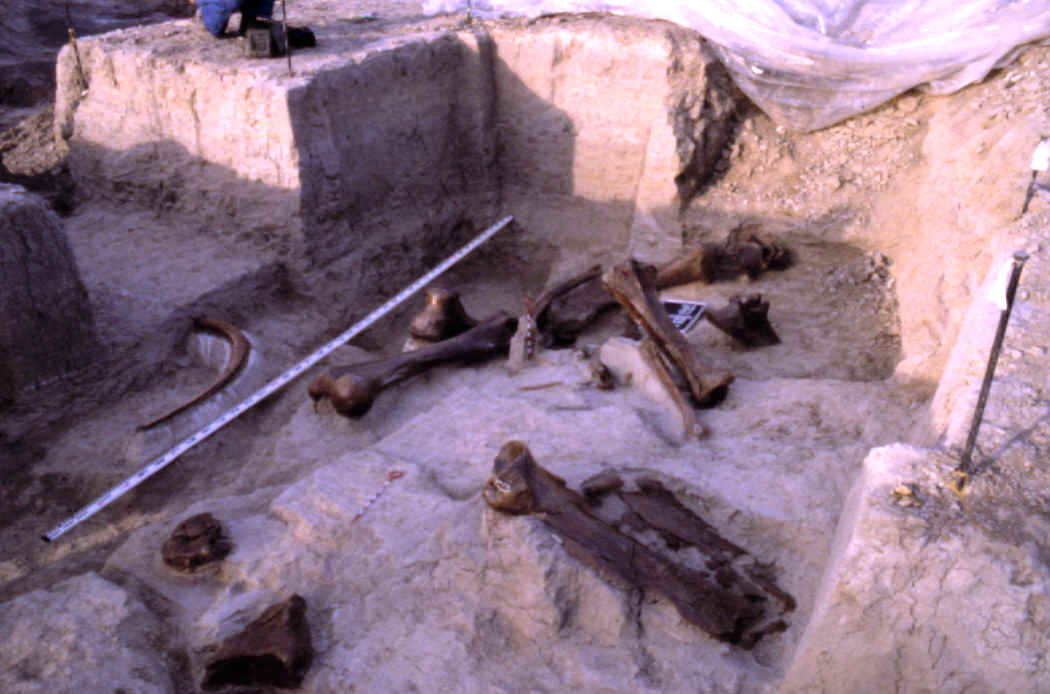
[[239, 348]]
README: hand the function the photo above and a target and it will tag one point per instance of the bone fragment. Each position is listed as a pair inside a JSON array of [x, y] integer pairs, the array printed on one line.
[[690, 428], [742, 253], [640, 365], [745, 319], [635, 293], [273, 651], [728, 611], [196, 541], [658, 509], [661, 510], [569, 308], [562, 288], [352, 389], [601, 484], [442, 318], [589, 363]]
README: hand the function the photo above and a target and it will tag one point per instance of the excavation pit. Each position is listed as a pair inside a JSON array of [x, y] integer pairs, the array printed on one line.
[[291, 205]]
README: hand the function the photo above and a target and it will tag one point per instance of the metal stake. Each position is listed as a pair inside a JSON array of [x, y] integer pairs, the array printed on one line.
[[287, 41], [964, 469], [76, 51]]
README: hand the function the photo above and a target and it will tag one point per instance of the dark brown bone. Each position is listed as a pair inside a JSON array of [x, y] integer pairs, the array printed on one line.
[[443, 317], [239, 348], [519, 485], [353, 389], [567, 309], [275, 650], [745, 319], [544, 301], [625, 282], [654, 507], [650, 353], [742, 253], [196, 541], [661, 510]]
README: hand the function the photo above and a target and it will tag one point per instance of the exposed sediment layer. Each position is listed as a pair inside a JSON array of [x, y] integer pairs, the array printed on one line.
[[47, 328], [384, 150]]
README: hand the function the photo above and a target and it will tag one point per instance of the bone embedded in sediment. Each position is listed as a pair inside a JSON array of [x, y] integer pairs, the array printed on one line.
[[629, 364]]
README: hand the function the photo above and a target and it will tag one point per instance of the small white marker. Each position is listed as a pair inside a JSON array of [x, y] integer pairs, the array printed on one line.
[[1041, 155], [999, 285]]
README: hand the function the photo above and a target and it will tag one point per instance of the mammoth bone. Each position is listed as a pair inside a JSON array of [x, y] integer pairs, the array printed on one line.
[[568, 308], [745, 319], [742, 253], [443, 317], [352, 389], [631, 285], [726, 593]]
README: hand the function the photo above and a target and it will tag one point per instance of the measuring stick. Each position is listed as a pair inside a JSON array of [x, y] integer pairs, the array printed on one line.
[[1006, 305], [159, 463], [287, 41]]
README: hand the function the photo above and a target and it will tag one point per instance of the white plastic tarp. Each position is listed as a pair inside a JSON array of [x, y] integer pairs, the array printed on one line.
[[812, 63]]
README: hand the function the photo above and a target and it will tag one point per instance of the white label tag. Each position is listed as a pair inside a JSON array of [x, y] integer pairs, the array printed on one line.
[[684, 314], [1041, 156], [997, 287]]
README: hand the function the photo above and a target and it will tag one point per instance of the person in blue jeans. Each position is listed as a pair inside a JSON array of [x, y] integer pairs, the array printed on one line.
[[215, 14]]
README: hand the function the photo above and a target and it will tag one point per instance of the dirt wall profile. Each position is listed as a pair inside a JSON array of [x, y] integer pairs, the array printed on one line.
[[47, 327], [362, 151]]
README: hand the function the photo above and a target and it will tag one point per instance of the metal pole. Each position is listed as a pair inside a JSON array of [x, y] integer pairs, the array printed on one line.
[[965, 466], [76, 51], [287, 40]]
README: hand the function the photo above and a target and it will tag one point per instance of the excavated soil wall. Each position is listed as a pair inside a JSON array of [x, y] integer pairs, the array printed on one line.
[[373, 158]]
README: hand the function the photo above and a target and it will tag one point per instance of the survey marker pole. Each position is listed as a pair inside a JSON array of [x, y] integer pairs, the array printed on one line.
[[1006, 306]]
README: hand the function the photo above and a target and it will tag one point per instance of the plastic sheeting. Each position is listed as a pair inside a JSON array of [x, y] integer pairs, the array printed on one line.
[[812, 63]]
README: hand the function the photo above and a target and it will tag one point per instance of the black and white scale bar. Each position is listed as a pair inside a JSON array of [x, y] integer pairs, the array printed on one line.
[[186, 444]]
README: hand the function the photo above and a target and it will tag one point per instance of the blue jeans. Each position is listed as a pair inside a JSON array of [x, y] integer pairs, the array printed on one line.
[[216, 13]]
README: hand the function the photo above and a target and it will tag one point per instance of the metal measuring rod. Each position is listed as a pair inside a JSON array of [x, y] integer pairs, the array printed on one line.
[[258, 396], [1006, 304]]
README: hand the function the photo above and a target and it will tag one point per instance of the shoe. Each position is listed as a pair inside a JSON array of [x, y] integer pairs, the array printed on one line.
[[301, 37]]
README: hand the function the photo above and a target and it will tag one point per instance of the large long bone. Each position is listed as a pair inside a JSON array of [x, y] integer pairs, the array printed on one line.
[[352, 389], [721, 600], [742, 253], [628, 284]]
